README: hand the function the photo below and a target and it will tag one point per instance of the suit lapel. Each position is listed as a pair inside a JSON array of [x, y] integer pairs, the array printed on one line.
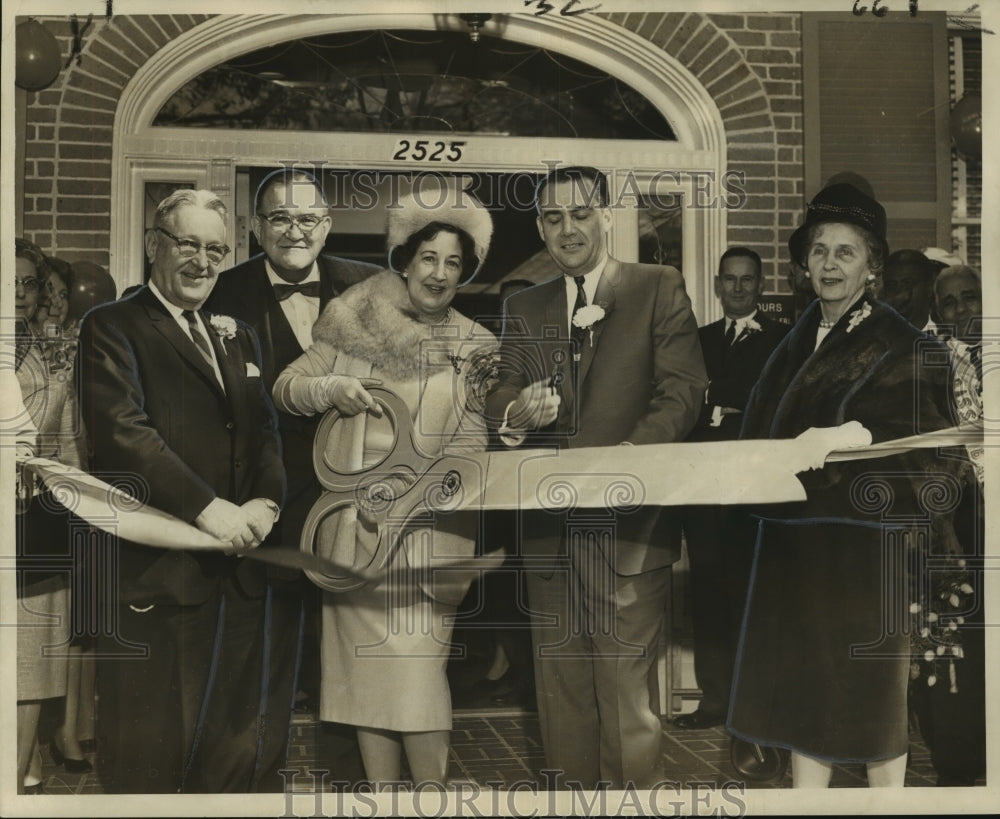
[[327, 285], [605, 297], [278, 341], [178, 339], [232, 379], [555, 316]]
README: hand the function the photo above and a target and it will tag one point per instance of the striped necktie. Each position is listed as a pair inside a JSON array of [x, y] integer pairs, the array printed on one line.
[[198, 338]]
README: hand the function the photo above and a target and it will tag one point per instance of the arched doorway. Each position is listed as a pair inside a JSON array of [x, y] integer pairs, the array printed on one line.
[[682, 176]]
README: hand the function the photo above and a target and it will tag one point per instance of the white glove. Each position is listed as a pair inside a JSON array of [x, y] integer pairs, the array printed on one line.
[[345, 393], [817, 442]]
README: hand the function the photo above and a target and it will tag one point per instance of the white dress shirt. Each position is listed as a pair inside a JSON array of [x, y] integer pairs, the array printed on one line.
[[512, 437], [300, 310], [590, 282], [741, 324], [177, 312]]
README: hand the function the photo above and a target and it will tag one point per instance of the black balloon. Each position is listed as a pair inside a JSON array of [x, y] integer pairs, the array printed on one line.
[[967, 126], [92, 285], [37, 58]]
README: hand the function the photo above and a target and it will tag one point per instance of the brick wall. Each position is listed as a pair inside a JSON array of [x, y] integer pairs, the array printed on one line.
[[750, 63], [752, 66], [67, 177]]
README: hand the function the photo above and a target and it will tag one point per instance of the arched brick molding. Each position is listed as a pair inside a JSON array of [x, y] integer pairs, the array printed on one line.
[[749, 65], [69, 132], [213, 154]]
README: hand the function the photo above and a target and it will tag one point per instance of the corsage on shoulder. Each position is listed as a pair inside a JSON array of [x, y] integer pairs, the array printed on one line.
[[859, 316]]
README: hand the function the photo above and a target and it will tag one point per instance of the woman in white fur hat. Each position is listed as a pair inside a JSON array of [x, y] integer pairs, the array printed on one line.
[[385, 645]]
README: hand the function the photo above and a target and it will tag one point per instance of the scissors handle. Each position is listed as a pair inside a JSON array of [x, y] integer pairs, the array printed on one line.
[[402, 485], [404, 458]]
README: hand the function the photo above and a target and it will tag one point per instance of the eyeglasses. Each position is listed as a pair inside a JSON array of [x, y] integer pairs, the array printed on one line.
[[189, 247], [29, 285], [282, 222]]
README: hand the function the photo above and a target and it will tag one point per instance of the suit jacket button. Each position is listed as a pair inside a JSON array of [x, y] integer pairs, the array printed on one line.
[[237, 463], [230, 425]]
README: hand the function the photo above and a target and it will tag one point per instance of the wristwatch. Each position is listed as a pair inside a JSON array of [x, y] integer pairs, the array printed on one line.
[[275, 509]]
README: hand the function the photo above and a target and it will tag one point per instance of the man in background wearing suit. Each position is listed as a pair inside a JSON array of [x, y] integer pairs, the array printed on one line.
[[597, 592], [736, 347], [174, 396], [280, 293]]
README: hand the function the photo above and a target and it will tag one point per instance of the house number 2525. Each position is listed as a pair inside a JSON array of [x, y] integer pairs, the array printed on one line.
[[432, 151]]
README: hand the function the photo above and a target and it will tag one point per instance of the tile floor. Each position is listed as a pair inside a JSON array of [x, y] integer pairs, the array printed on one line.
[[500, 747]]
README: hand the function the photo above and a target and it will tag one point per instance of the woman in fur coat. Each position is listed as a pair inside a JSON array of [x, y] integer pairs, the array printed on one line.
[[385, 645], [823, 662]]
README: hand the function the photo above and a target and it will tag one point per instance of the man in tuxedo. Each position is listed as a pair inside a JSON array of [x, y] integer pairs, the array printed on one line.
[[606, 353], [173, 396], [735, 347], [280, 293]]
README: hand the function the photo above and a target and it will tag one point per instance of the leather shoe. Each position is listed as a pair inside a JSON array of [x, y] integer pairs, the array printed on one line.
[[699, 719], [71, 765]]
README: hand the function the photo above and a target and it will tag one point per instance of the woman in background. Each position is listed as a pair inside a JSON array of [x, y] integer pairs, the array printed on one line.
[[43, 596]]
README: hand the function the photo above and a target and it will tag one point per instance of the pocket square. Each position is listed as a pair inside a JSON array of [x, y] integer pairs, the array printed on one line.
[[252, 371]]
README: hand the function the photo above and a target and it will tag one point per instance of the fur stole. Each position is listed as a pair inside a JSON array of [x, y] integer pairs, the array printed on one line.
[[374, 321]]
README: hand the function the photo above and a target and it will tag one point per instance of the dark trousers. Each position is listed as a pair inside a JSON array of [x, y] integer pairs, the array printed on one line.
[[184, 717], [284, 626], [715, 613]]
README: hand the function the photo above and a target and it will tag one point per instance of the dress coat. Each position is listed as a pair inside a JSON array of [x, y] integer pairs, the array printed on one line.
[[597, 608], [733, 370], [186, 717], [154, 408], [246, 293], [818, 670], [385, 646], [641, 380]]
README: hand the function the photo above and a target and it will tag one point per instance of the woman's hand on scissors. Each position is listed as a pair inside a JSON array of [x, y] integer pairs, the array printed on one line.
[[348, 395]]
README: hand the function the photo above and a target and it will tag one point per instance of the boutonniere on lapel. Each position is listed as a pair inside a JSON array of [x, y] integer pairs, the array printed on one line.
[[859, 316], [750, 326], [587, 317], [224, 326]]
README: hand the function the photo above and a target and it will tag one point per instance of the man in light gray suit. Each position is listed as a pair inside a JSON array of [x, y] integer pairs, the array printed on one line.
[[605, 353]]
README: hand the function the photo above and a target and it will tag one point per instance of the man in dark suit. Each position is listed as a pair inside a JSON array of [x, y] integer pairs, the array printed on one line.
[[174, 396], [605, 354], [736, 347], [280, 293]]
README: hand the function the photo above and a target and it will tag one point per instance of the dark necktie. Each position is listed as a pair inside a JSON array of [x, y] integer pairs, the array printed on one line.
[[581, 302], [198, 338], [283, 291], [731, 333], [578, 333]]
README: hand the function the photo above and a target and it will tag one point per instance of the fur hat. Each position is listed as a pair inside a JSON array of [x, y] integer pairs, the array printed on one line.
[[841, 202], [448, 204]]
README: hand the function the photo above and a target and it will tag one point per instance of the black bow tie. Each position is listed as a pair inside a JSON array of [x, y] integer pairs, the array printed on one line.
[[283, 291]]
